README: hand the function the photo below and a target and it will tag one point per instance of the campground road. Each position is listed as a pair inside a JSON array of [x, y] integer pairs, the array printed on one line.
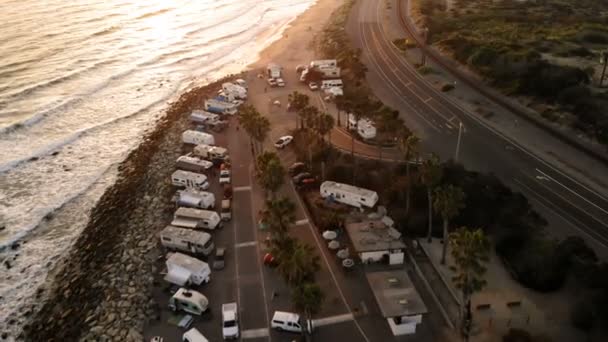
[[436, 119]]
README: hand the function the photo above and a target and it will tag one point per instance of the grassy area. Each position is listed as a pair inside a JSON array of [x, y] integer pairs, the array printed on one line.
[[546, 49]]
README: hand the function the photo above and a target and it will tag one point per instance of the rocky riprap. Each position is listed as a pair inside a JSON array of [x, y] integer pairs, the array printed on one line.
[[101, 290]]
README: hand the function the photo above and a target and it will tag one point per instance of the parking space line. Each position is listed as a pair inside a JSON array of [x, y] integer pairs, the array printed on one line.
[[246, 244], [333, 319], [301, 222], [255, 333], [242, 188]]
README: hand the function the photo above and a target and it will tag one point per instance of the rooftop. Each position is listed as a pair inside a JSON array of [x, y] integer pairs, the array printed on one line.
[[373, 235], [395, 294], [348, 188]]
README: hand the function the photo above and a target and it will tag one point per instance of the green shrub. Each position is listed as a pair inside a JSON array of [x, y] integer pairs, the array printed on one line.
[[539, 266]]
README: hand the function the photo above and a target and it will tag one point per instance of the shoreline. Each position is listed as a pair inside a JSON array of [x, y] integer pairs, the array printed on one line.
[[111, 264]]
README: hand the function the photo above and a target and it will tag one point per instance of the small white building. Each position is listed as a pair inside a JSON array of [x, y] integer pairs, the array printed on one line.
[[348, 194], [374, 241], [364, 127]]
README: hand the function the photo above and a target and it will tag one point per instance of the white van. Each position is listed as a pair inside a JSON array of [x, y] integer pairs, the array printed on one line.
[[194, 164], [196, 138], [186, 270], [226, 213], [196, 218], [194, 335], [189, 301], [192, 198], [189, 179], [287, 321], [210, 152], [326, 84], [186, 240]]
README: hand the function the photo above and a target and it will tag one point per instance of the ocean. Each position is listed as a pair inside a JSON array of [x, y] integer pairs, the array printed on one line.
[[80, 83]]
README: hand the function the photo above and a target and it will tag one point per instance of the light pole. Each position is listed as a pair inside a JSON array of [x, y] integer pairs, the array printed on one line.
[[603, 60], [460, 127]]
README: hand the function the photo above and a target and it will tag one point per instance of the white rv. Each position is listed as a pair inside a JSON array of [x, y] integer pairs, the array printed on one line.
[[273, 70], [324, 63], [326, 84], [364, 127], [329, 72], [241, 82], [186, 270], [196, 218], [189, 301], [194, 164], [189, 179], [235, 90], [348, 194], [210, 152], [218, 106], [197, 138], [204, 117], [186, 240], [192, 198]]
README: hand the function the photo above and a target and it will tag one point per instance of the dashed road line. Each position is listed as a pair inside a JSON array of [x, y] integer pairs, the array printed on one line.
[[301, 222], [242, 188], [255, 333], [333, 320], [245, 244]]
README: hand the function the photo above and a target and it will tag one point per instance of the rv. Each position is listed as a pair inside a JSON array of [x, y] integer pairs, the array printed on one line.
[[196, 218], [348, 194], [189, 179], [364, 127], [226, 213], [189, 301], [326, 84], [218, 106], [210, 152], [329, 72], [204, 117], [197, 138], [274, 70], [324, 63], [186, 240], [194, 164], [241, 82], [185, 270], [235, 90], [191, 198]]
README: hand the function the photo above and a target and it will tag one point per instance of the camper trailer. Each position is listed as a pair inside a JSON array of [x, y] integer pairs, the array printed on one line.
[[273, 70], [326, 84], [329, 72], [241, 82], [204, 117], [210, 152], [235, 90], [197, 138], [364, 127], [192, 198], [348, 194], [189, 301], [185, 270], [218, 106], [186, 240], [189, 179], [196, 218], [194, 164], [324, 63]]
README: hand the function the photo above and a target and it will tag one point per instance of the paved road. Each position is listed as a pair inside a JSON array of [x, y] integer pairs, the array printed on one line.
[[436, 119]]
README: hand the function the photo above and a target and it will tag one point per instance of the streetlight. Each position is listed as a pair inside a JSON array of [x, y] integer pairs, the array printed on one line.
[[603, 60], [460, 127]]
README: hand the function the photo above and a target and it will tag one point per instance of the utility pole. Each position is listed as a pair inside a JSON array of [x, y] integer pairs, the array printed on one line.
[[603, 60], [460, 127], [425, 36]]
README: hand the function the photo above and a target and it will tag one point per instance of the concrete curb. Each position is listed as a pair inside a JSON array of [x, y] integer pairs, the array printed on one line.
[[445, 281]]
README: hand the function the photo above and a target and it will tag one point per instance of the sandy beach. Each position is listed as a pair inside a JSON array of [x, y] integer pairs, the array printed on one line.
[[101, 289]]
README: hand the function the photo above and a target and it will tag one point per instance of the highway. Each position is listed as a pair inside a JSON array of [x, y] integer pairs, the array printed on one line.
[[564, 200]]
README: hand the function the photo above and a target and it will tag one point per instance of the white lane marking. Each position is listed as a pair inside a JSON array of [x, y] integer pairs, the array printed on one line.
[[408, 83], [301, 222], [255, 333], [448, 126], [427, 100], [333, 320], [452, 119], [245, 244], [242, 188]]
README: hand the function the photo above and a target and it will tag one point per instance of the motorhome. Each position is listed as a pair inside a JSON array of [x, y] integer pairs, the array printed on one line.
[[226, 211], [321, 63], [194, 164], [364, 127], [329, 72], [273, 70], [204, 117], [210, 152], [191, 198], [235, 90], [186, 240], [218, 106], [189, 179], [189, 301], [196, 218], [185, 270], [197, 138], [326, 84], [241, 82], [348, 194]]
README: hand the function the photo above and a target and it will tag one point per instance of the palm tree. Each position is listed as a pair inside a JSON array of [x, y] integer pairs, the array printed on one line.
[[308, 298], [298, 101], [311, 116], [470, 250], [247, 118], [281, 214], [409, 146], [324, 125], [430, 175], [271, 173], [449, 200], [260, 130], [300, 265]]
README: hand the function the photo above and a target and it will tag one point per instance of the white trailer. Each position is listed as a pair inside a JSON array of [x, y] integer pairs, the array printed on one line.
[[204, 117], [186, 270], [364, 127], [186, 240], [189, 301], [197, 138], [189, 179], [326, 84], [210, 152], [194, 164], [348, 194], [324, 63], [235, 90], [241, 82], [192, 198], [329, 72], [196, 218], [218, 106]]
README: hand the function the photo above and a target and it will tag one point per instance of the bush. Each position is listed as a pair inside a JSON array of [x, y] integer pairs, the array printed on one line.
[[582, 316], [539, 266]]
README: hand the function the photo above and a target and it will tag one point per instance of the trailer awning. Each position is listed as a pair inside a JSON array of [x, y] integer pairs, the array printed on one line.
[[178, 276]]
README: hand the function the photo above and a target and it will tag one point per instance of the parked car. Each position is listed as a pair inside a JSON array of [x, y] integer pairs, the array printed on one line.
[[230, 321], [194, 335], [272, 82], [306, 183], [219, 259], [298, 178], [287, 321], [313, 86], [296, 168], [283, 141], [225, 176], [227, 191], [280, 82]]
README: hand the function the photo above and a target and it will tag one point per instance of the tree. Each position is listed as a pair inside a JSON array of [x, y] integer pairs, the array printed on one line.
[[281, 214], [409, 147], [312, 117], [449, 200], [247, 117], [324, 125], [298, 101], [270, 172], [299, 265], [470, 251], [308, 298], [430, 175], [260, 130]]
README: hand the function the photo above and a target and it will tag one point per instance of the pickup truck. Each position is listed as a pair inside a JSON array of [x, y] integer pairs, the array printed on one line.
[[230, 321]]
